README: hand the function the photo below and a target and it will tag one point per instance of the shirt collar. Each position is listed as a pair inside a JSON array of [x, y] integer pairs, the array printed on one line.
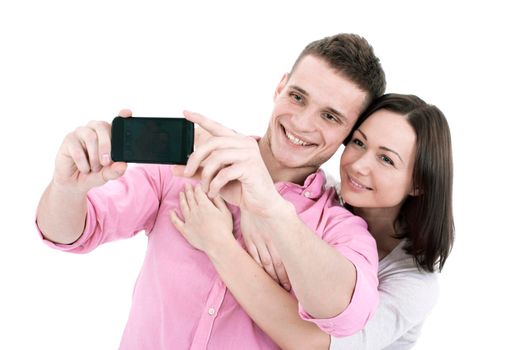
[[313, 186]]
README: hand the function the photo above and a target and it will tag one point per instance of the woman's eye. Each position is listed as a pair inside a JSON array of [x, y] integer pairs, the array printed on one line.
[[358, 142], [386, 159]]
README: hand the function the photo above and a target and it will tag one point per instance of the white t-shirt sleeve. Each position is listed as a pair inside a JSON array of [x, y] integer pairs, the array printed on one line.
[[405, 300]]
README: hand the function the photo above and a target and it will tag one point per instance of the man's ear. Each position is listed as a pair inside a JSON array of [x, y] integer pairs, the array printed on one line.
[[281, 85]]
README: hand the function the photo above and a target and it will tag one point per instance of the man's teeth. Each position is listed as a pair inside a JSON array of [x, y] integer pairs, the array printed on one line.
[[295, 140]]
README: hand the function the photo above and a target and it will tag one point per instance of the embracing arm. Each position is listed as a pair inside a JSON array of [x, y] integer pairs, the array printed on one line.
[[207, 226], [405, 300], [268, 305]]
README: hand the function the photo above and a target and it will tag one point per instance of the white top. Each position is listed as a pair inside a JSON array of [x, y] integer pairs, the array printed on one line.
[[406, 297]]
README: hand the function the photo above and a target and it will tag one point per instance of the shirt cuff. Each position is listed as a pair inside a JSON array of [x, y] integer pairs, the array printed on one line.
[[78, 245], [353, 318]]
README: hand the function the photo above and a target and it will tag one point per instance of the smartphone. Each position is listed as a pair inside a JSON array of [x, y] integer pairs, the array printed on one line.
[[151, 140]]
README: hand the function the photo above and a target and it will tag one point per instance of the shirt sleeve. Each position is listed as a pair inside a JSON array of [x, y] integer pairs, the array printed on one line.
[[348, 234], [119, 209], [405, 301]]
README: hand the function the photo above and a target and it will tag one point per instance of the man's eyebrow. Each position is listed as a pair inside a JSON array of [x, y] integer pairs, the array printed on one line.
[[301, 90], [382, 147]]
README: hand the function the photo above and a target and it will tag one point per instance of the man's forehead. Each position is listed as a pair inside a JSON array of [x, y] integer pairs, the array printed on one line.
[[316, 79]]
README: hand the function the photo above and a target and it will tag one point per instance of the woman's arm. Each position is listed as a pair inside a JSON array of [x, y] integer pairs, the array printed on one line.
[[406, 297], [208, 226]]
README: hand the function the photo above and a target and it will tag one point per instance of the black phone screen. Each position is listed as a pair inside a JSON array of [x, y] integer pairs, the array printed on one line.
[[151, 140]]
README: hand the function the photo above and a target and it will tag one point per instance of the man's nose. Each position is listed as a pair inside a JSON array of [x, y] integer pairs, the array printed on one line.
[[308, 119]]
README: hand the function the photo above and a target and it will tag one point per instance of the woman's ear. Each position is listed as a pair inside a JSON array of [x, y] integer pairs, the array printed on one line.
[[416, 191], [281, 85]]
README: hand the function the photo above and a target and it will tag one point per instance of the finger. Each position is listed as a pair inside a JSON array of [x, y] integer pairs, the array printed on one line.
[[113, 171], [252, 250], [200, 136], [125, 113], [200, 196], [176, 221], [209, 169], [184, 208], [214, 128], [216, 162], [78, 155], [190, 197], [214, 144], [266, 260], [88, 138], [278, 265], [178, 171], [103, 131], [223, 177], [220, 204]]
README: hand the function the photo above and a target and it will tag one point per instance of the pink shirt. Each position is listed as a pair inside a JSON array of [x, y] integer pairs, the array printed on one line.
[[179, 301]]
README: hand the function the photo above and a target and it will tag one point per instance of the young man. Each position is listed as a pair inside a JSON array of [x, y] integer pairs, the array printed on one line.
[[179, 301]]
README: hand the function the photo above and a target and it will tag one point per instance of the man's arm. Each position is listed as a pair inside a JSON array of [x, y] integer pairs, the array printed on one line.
[[233, 166], [316, 270], [268, 305], [82, 162]]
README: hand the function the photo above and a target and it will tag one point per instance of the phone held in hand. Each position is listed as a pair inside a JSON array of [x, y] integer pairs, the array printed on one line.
[[151, 140]]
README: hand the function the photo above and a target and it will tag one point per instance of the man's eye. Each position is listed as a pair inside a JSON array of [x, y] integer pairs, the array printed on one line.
[[330, 117], [296, 97], [386, 159]]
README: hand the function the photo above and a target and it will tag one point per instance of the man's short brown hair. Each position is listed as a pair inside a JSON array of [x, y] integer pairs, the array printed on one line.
[[353, 57]]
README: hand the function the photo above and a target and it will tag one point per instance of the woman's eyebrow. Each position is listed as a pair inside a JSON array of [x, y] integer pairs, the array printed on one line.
[[382, 147], [391, 150]]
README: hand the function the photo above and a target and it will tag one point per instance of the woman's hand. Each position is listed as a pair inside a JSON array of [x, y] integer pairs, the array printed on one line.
[[205, 224]]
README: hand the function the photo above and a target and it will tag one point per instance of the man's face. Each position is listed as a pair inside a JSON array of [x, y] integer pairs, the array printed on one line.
[[315, 109]]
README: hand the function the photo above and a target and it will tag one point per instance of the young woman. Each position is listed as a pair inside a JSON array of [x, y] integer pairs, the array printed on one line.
[[396, 173]]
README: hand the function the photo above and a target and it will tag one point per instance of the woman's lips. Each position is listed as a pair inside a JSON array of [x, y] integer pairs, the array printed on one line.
[[357, 185]]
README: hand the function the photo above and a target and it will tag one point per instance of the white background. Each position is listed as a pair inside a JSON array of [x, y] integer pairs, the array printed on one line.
[[63, 63]]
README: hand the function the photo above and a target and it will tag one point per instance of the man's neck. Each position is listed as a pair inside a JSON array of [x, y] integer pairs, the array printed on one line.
[[277, 171]]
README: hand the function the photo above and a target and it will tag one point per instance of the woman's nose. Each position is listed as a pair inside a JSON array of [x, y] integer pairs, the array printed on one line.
[[361, 165]]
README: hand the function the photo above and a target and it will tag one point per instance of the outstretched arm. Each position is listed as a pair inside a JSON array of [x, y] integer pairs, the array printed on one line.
[[82, 162]]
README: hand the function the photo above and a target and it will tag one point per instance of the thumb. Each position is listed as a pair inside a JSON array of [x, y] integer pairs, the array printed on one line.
[[114, 171], [178, 170], [125, 113]]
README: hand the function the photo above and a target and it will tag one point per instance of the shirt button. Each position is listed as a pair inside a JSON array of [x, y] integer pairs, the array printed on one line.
[[211, 311], [307, 194]]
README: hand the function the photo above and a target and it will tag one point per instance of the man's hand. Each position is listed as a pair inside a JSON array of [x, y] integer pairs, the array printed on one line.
[[259, 245], [231, 165], [83, 160]]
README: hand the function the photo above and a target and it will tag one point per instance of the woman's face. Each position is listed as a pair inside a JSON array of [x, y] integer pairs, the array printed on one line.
[[377, 164]]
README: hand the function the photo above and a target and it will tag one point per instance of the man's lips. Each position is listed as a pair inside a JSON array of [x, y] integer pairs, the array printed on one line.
[[296, 140]]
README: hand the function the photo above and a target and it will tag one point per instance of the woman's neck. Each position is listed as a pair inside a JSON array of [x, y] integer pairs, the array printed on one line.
[[381, 225]]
